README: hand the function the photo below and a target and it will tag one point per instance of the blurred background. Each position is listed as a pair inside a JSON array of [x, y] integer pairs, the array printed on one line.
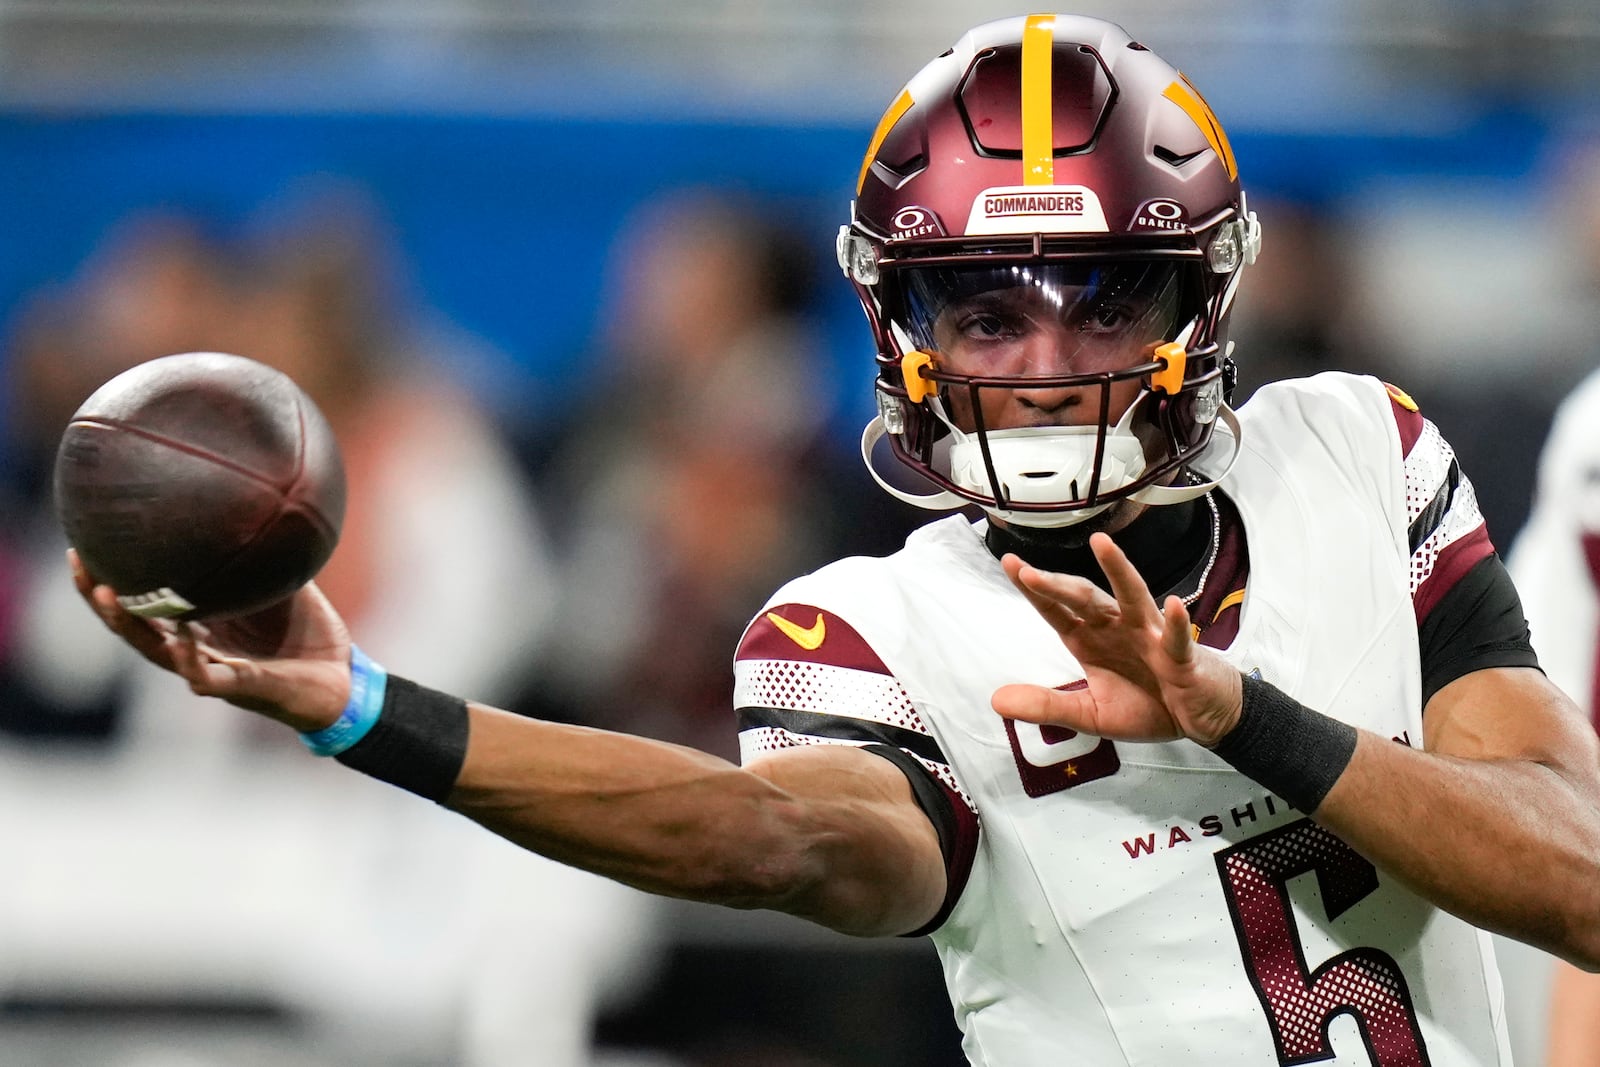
[[561, 277]]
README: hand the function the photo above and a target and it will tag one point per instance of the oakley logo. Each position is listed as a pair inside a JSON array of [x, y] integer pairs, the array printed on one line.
[[915, 222], [1160, 214]]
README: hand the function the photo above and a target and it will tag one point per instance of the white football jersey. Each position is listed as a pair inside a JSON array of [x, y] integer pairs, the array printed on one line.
[[1122, 903]]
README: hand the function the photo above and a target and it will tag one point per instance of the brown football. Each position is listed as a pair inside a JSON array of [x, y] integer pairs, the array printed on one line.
[[200, 486]]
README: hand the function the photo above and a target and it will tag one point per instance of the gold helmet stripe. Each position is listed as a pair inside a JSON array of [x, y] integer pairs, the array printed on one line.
[[1038, 127], [901, 105], [1184, 94]]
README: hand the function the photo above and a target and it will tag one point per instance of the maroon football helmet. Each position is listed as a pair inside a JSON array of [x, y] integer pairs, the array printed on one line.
[[1050, 175]]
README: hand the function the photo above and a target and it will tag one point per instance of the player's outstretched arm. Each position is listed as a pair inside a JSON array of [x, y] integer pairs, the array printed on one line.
[[828, 833]]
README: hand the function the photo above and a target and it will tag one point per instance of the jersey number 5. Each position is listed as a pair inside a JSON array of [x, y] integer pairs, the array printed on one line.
[[1299, 1003]]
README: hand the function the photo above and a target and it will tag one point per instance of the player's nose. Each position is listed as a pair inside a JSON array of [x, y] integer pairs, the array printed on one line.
[[1052, 352], [1065, 405]]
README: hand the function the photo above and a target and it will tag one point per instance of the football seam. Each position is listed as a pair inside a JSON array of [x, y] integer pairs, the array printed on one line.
[[180, 446], [244, 547], [292, 496], [284, 504]]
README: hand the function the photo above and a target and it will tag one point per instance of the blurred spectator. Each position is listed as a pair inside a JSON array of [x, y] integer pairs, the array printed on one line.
[[696, 474], [1287, 326], [158, 284], [1470, 295], [248, 901], [1556, 563]]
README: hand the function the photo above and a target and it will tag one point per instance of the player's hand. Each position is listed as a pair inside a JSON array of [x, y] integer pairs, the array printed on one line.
[[1147, 678], [289, 662]]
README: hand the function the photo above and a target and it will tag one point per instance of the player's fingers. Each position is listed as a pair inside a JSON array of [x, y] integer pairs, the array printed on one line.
[[247, 683], [80, 574], [193, 665], [1062, 619], [1177, 631], [1133, 596], [146, 638], [240, 671], [1072, 708], [1050, 592]]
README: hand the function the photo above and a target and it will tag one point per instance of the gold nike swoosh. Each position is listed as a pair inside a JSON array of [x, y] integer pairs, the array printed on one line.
[[809, 638]]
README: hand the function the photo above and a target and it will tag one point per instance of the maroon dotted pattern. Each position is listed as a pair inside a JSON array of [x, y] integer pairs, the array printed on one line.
[[1363, 981], [826, 690]]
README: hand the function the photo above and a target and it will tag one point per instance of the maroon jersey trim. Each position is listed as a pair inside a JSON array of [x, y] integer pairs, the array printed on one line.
[[958, 864], [1407, 419], [1591, 555], [1453, 563], [807, 634], [1216, 618]]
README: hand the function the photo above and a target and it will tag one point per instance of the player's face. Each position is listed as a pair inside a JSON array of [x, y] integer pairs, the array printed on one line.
[[1049, 321]]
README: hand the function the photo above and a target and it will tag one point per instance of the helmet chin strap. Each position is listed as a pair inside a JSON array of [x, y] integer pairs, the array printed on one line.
[[1176, 494], [944, 500]]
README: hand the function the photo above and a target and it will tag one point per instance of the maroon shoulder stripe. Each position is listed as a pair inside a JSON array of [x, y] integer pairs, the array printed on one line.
[[807, 634], [1454, 561], [1407, 419]]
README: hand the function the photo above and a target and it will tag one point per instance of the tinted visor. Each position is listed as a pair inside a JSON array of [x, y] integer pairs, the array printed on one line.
[[1042, 318]]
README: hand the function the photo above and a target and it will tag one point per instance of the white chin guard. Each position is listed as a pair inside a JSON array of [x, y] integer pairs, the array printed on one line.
[[1054, 463], [1038, 465]]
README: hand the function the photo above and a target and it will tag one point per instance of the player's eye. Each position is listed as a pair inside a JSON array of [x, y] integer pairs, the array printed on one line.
[[987, 326], [1107, 317]]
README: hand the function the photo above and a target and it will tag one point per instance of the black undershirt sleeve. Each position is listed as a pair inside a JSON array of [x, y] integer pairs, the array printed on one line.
[[1477, 624], [932, 799]]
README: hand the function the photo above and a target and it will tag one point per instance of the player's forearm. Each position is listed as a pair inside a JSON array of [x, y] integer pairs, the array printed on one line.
[[1509, 845], [828, 834], [661, 817]]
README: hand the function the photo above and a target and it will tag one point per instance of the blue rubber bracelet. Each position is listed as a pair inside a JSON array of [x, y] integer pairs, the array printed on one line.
[[368, 681]]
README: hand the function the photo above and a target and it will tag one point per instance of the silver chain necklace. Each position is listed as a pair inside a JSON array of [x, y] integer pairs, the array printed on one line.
[[1212, 553]]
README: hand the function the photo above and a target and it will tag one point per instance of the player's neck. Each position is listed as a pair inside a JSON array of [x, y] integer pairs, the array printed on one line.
[[1164, 543]]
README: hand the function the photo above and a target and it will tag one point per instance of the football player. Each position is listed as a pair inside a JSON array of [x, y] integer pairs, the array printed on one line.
[[1217, 739], [1556, 561]]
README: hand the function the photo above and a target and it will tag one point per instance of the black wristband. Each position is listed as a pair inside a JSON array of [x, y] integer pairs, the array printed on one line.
[[1284, 745], [418, 743]]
